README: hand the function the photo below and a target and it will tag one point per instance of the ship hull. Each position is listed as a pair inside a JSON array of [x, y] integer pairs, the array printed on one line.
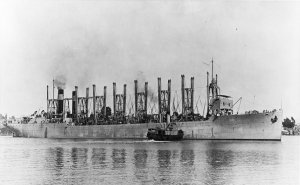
[[259, 126]]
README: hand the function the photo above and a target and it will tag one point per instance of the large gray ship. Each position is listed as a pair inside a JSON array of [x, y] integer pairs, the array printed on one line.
[[73, 117]]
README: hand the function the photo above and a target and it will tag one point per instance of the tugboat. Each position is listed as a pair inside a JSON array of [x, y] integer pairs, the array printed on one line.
[[170, 133]]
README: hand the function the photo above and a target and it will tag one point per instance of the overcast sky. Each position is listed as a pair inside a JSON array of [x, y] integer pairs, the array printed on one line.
[[255, 47]]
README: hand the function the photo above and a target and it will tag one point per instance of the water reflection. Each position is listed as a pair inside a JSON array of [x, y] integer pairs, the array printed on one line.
[[219, 159], [187, 158], [74, 157], [98, 158], [163, 157], [59, 159], [79, 157], [119, 158], [187, 162], [140, 163], [55, 161], [164, 166], [140, 158]]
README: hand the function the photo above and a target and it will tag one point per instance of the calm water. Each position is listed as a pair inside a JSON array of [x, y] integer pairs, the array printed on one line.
[[52, 161]]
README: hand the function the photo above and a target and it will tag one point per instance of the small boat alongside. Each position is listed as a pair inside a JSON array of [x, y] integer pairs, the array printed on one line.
[[170, 133]]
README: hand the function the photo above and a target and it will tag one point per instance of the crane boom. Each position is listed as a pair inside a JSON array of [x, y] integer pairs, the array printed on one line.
[[239, 100]]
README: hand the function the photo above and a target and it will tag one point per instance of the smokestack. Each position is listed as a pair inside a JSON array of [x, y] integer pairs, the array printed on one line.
[[104, 101], [76, 104], [94, 104], [124, 100], [192, 95], [47, 100], [60, 101], [182, 94], [169, 97], [87, 102], [136, 96], [146, 96], [114, 97], [159, 96]]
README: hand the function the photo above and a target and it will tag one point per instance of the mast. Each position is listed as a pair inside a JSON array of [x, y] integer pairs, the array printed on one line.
[[169, 97], [114, 97], [76, 104], [207, 93], [136, 97], [212, 69], [192, 94], [159, 95], [217, 90], [94, 104], [47, 101], [146, 96], [53, 91], [87, 103], [104, 101], [182, 95], [124, 100]]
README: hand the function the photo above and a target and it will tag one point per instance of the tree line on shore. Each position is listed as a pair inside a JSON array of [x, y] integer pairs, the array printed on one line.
[[288, 123], [290, 127]]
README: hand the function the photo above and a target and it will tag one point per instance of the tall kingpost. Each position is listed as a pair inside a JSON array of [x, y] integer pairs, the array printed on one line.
[[114, 97], [124, 100], [94, 104], [136, 96], [87, 103], [169, 97], [53, 90], [217, 85], [182, 95], [73, 105], [47, 100], [159, 96], [192, 95], [146, 96], [104, 101], [63, 105], [76, 104], [212, 69], [207, 93], [53, 96]]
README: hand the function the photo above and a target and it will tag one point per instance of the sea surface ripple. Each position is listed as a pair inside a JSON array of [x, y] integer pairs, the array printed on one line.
[[64, 161]]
